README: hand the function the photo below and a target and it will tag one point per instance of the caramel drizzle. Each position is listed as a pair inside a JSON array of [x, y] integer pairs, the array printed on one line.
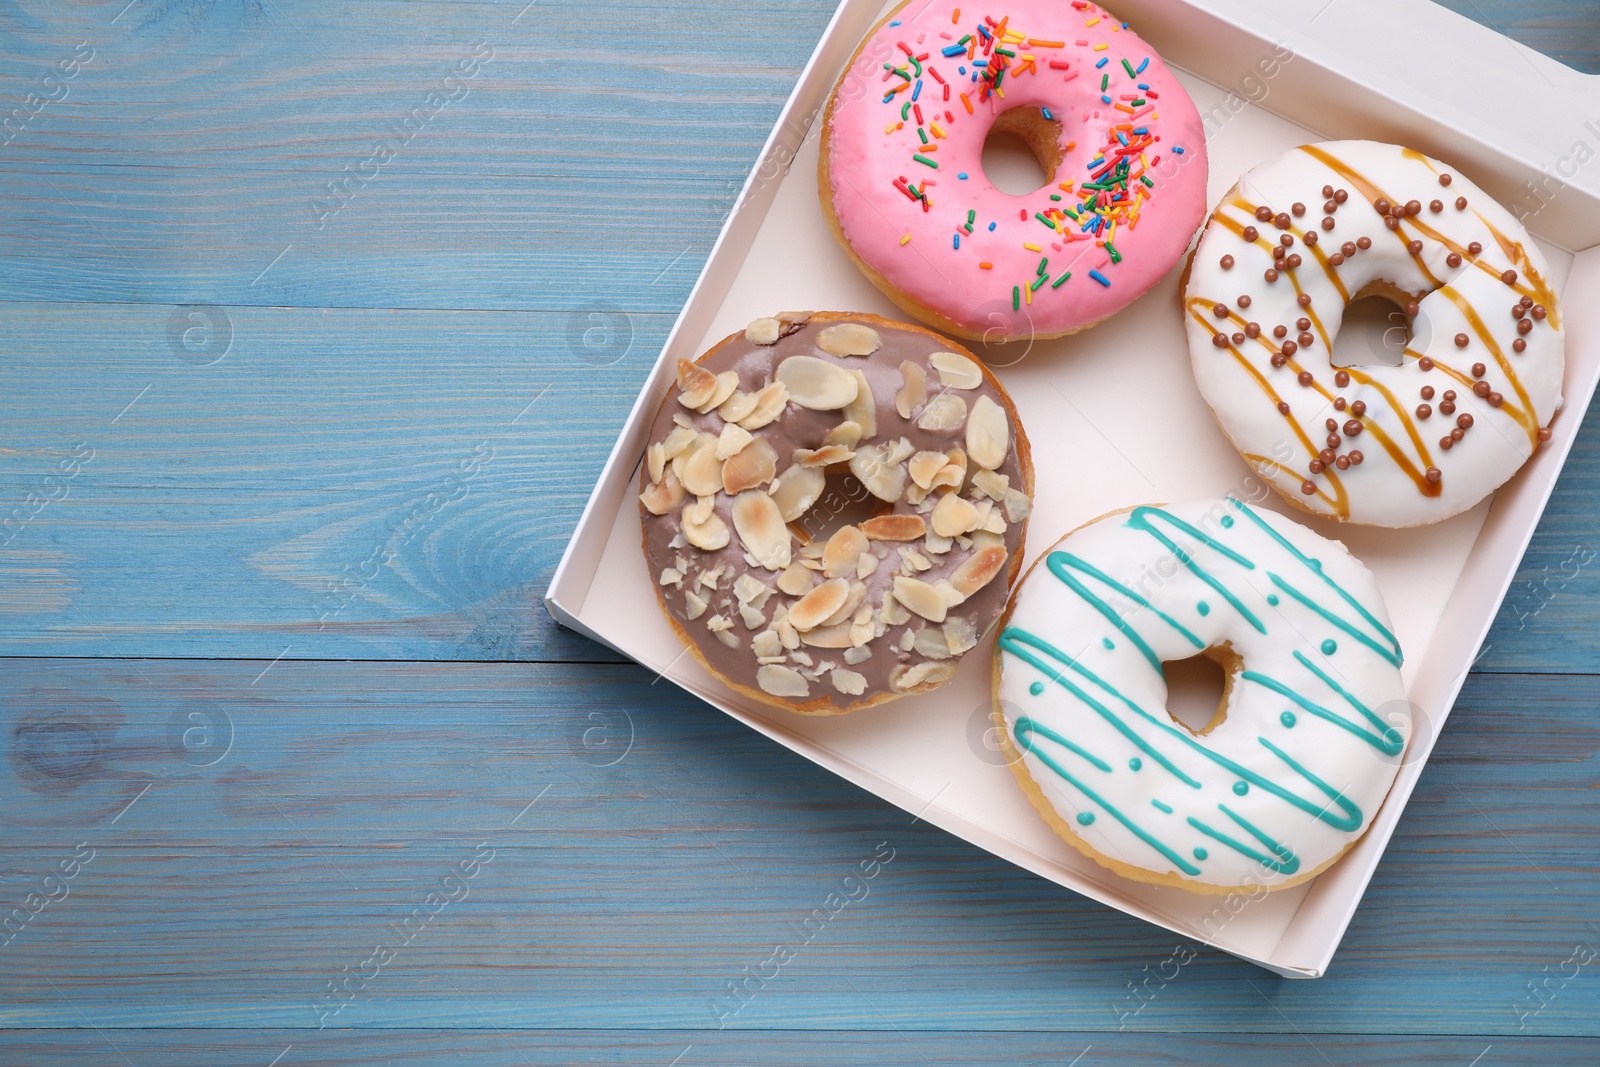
[[1516, 413], [1416, 471], [1417, 476], [1373, 193], [1524, 418], [1513, 250], [1262, 462], [1198, 308], [1327, 268], [1538, 289], [1238, 227]]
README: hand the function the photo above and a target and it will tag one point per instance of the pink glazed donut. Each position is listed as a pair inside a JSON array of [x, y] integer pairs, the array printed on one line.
[[901, 169]]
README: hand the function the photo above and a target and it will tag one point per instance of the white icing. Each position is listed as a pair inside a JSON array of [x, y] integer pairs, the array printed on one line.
[[1357, 760], [1379, 491]]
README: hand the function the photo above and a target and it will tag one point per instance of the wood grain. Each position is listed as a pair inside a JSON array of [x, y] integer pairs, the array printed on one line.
[[248, 874], [1564, 30], [306, 492], [301, 385], [333, 485], [485, 1045], [201, 138], [328, 444]]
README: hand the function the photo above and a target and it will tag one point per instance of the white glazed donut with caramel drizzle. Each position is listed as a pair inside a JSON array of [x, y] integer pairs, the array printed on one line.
[[1295, 242]]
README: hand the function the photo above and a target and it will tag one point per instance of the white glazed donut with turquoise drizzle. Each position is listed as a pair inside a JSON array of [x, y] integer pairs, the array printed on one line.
[[1316, 713]]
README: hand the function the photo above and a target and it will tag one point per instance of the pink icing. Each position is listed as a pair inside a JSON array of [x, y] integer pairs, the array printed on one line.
[[874, 178]]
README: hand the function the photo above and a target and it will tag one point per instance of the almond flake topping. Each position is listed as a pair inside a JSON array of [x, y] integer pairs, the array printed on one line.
[[956, 371], [849, 339], [816, 383]]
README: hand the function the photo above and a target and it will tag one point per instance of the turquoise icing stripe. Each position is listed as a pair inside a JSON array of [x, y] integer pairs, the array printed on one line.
[[1026, 728], [1013, 640], [1390, 655], [1282, 859], [1391, 736], [1016, 642], [1134, 828], [1315, 567], [1141, 518], [1059, 562], [1353, 817], [1337, 811], [1389, 742]]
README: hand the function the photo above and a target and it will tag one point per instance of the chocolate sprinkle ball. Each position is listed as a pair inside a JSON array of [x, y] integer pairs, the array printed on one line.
[[1350, 219]]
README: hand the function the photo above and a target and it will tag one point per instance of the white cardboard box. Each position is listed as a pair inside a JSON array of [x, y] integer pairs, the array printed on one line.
[[1509, 118]]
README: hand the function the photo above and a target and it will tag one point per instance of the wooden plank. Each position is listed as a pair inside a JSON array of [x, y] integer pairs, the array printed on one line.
[[420, 155], [248, 875], [1565, 30], [306, 491], [184, 166], [592, 177], [481, 1046], [1550, 619], [342, 483], [239, 519]]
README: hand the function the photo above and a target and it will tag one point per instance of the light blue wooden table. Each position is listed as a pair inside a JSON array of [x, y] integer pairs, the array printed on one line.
[[319, 319]]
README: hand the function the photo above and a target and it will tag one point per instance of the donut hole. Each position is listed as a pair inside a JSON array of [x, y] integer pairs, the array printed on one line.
[[1375, 330], [1022, 151], [844, 501], [1198, 688]]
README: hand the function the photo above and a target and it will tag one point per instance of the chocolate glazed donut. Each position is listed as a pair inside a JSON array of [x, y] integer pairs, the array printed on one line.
[[777, 437]]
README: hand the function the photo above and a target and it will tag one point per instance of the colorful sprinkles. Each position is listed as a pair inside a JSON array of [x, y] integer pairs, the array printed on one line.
[[1115, 182]]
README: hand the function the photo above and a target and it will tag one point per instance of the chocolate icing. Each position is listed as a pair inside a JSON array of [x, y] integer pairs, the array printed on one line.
[[801, 428]]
